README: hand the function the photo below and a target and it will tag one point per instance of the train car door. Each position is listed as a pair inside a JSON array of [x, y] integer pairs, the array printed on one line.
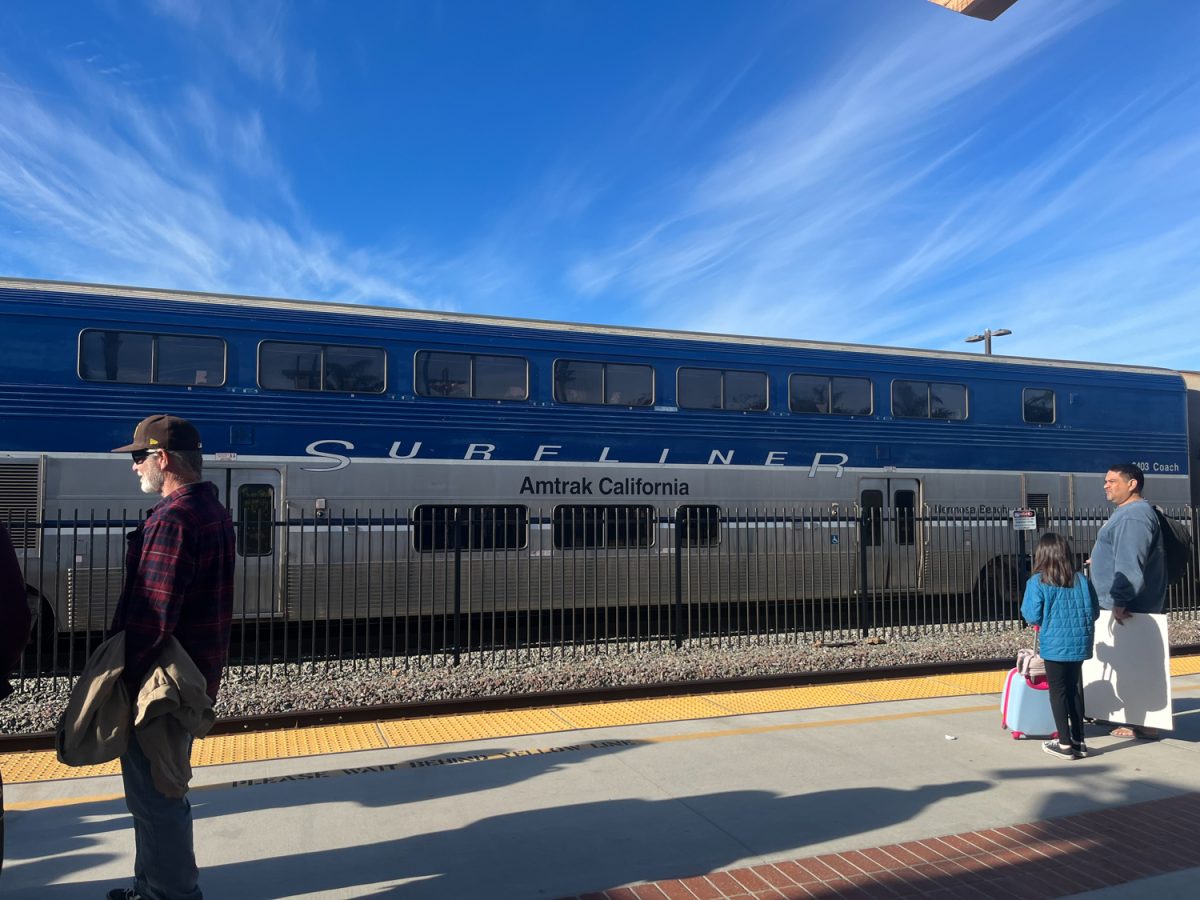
[[253, 499], [891, 532]]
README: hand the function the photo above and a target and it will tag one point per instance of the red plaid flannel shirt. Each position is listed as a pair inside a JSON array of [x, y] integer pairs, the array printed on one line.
[[179, 581]]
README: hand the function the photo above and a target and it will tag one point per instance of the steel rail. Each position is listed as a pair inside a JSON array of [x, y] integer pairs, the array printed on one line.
[[293, 719]]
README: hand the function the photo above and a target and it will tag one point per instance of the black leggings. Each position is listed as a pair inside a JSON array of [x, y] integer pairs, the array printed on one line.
[[1066, 699]]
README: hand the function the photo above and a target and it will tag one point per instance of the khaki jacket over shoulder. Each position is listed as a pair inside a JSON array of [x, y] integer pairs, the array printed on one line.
[[172, 707]]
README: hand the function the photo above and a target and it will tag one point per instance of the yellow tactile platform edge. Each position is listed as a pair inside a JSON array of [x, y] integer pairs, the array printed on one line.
[[231, 748], [1185, 665], [470, 727], [265, 745]]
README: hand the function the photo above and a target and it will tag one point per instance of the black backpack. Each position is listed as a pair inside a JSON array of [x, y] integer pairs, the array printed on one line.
[[1177, 546]]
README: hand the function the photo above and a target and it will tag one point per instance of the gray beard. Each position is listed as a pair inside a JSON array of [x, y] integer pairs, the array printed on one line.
[[152, 482]]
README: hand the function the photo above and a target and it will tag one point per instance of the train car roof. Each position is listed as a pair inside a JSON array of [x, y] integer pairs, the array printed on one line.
[[355, 309]]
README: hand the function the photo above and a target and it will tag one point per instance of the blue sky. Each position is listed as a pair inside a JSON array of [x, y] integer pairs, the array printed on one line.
[[869, 171]]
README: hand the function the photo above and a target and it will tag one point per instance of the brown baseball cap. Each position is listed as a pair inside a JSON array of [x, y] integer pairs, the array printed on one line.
[[163, 433]]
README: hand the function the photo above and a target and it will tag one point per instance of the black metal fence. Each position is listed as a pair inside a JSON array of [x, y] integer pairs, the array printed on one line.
[[493, 582]]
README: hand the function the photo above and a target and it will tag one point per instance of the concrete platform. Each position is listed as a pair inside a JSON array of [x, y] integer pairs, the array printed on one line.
[[588, 811]]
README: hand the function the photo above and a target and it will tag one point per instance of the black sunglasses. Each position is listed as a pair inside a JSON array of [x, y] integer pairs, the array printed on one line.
[[140, 456]]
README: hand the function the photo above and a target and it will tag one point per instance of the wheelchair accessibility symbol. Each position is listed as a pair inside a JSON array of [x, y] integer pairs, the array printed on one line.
[[833, 538]]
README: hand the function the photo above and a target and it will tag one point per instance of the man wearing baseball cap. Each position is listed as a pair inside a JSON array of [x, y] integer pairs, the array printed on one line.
[[178, 582]]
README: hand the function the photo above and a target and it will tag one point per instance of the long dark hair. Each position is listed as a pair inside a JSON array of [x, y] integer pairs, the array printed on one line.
[[1053, 560]]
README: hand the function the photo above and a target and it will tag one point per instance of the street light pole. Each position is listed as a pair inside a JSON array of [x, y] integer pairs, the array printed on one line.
[[986, 337]]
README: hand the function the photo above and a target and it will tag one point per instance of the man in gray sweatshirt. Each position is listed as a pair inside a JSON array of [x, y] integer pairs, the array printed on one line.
[[1127, 565], [1128, 569]]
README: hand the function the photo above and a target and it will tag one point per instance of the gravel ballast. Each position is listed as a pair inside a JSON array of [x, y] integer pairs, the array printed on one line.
[[36, 705]]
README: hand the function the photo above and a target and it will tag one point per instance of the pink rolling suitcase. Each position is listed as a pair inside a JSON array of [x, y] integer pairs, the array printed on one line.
[[1025, 709]]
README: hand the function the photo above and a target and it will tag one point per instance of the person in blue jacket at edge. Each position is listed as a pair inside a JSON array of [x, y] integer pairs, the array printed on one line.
[[1061, 602]]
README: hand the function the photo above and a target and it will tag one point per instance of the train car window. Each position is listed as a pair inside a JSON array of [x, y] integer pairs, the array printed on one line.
[[746, 391], [256, 520], [500, 378], [808, 393], [603, 527], [471, 376], [1038, 406], [628, 385], [871, 502], [438, 528], [137, 358], [910, 399], [116, 356], [354, 370], [722, 389], [699, 388], [183, 359], [578, 382], [851, 396], [289, 367], [825, 394], [443, 374], [948, 401], [698, 526], [905, 507], [923, 400], [286, 366], [614, 384]]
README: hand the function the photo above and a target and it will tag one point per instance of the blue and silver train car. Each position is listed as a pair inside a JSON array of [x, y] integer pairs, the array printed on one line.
[[559, 438]]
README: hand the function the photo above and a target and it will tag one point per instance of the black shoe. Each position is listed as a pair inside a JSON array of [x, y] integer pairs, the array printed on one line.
[[1054, 748], [1081, 750]]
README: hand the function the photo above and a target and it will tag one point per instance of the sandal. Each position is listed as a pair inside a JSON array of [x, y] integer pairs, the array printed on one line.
[[1135, 731]]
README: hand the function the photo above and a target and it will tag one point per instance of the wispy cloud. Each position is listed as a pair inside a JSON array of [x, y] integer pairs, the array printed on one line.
[[106, 188], [817, 163], [252, 36], [882, 205]]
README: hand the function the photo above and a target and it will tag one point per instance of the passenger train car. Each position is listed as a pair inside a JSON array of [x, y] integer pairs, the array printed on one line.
[[573, 445]]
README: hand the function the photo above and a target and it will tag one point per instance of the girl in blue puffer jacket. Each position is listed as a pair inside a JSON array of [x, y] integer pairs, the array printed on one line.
[[1062, 603]]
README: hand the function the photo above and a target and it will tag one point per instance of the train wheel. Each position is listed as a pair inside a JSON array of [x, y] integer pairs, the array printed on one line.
[[999, 590]]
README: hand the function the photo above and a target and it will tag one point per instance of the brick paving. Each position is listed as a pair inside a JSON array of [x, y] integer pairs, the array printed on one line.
[[1047, 859]]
